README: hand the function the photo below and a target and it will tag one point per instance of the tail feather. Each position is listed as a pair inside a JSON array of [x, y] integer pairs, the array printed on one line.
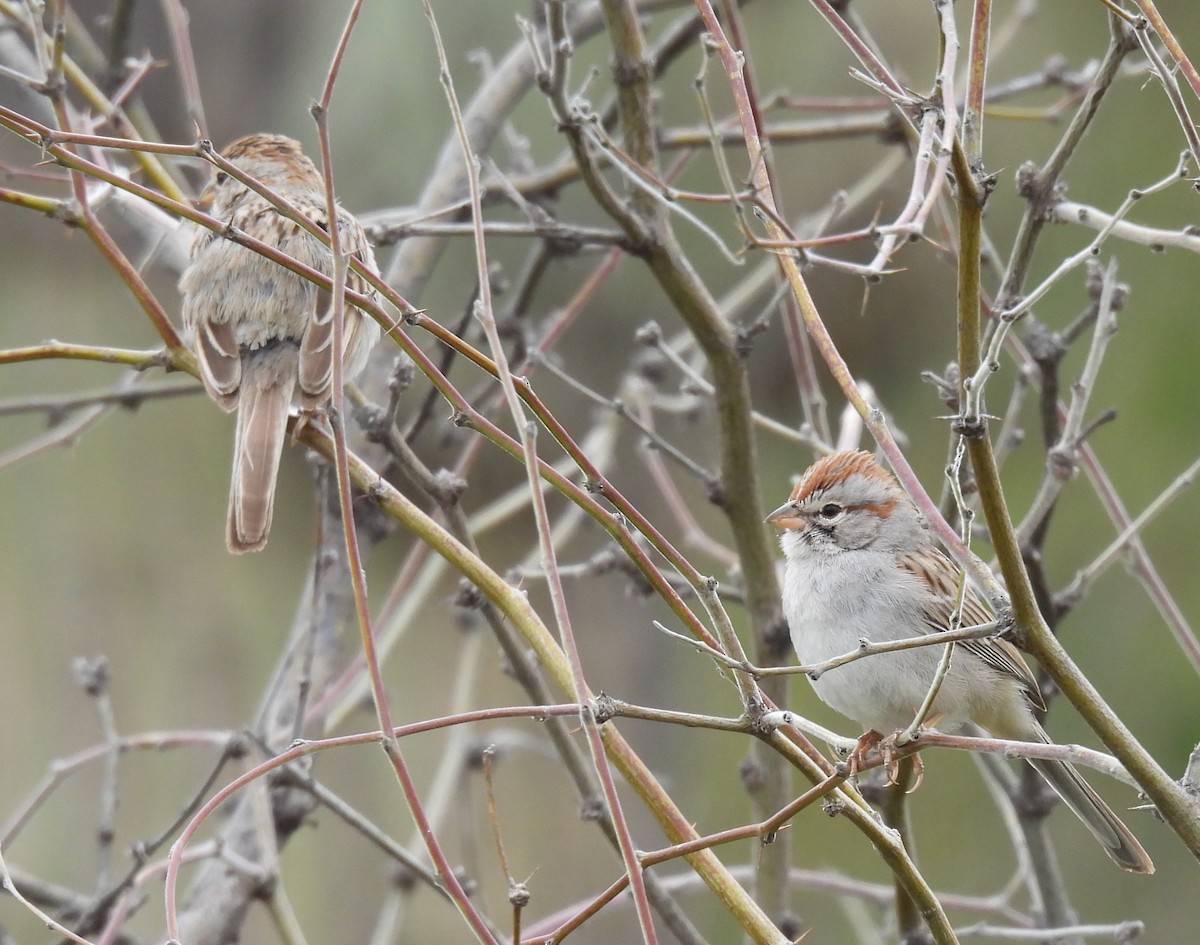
[[1118, 842], [268, 382]]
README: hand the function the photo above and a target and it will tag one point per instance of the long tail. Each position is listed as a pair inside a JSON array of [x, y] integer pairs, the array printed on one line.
[[268, 380], [1118, 842]]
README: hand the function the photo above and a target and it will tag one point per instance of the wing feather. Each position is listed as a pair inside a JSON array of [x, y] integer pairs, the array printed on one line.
[[220, 361], [935, 569]]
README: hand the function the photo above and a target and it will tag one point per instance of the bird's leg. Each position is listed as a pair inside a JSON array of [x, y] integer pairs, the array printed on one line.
[[305, 416], [888, 746], [866, 743]]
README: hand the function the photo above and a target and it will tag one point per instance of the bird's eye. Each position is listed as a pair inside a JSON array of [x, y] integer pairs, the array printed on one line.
[[829, 511], [221, 178]]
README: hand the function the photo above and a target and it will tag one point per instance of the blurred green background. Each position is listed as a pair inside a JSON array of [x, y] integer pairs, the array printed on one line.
[[114, 546]]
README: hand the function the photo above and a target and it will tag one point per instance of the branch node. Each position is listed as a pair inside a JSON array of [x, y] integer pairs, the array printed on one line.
[[603, 707]]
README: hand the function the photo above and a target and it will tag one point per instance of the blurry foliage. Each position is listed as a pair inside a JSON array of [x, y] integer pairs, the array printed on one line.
[[112, 544]]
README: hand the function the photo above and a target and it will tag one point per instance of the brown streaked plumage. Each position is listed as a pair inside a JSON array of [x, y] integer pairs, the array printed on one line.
[[861, 565], [830, 471], [261, 333]]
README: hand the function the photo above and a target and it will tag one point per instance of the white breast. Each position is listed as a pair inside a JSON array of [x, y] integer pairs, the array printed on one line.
[[832, 604]]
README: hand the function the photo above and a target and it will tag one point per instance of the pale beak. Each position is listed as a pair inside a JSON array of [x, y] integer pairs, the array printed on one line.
[[786, 516], [205, 200]]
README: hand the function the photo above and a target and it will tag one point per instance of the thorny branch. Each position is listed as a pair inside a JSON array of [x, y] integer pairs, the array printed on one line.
[[633, 258]]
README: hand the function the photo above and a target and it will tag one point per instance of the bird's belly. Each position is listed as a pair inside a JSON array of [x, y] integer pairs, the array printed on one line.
[[883, 691]]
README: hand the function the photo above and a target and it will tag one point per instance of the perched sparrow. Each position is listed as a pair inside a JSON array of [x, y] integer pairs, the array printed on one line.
[[862, 565], [260, 331]]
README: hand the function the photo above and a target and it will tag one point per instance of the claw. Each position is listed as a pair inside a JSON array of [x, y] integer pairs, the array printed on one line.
[[887, 748], [918, 773], [891, 764], [865, 744]]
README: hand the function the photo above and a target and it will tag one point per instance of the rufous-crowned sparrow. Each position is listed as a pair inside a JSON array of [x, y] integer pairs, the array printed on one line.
[[861, 565], [261, 333]]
